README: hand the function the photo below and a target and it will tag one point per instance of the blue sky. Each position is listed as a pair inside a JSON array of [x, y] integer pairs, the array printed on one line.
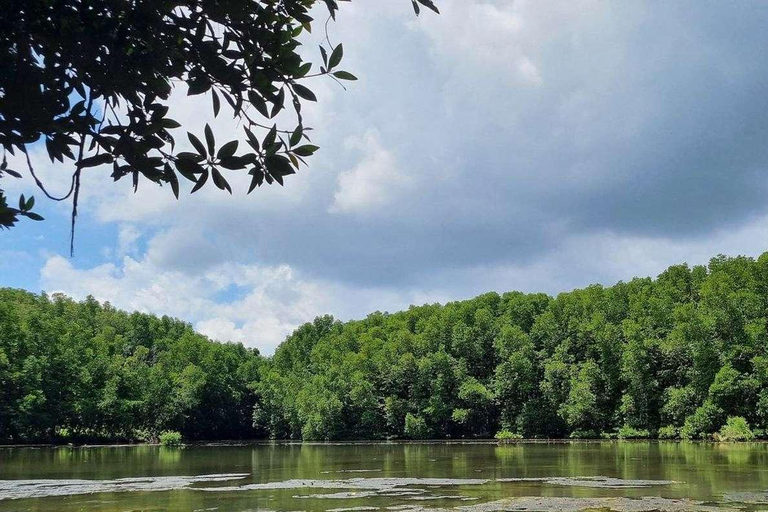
[[529, 145]]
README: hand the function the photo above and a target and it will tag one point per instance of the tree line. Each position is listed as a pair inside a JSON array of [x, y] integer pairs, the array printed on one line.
[[85, 371], [679, 356]]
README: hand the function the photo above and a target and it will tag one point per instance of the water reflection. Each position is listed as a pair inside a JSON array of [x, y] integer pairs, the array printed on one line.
[[380, 476]]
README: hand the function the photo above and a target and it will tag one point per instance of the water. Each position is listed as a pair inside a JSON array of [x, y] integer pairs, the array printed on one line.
[[471, 477]]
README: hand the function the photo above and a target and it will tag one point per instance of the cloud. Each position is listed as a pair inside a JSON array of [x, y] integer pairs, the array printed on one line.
[[501, 145], [374, 182], [484, 38], [252, 304], [260, 305], [127, 239], [273, 302]]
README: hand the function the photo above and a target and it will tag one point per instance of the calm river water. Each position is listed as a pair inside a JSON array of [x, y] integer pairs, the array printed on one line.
[[467, 477]]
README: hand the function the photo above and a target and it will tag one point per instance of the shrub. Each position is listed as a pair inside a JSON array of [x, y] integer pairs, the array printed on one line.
[[170, 438], [584, 434], [703, 422], [736, 428], [669, 432], [506, 435], [415, 427], [627, 432]]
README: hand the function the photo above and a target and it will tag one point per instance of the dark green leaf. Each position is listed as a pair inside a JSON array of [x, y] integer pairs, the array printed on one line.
[[336, 56], [186, 155], [216, 103], [306, 150], [270, 138], [344, 75], [258, 102], [189, 168], [33, 216], [296, 135], [197, 144], [172, 179], [304, 92], [257, 178], [252, 140], [168, 123], [93, 161], [303, 70], [233, 163], [210, 140], [279, 166], [200, 182], [219, 180], [429, 4], [198, 87], [227, 150], [278, 103]]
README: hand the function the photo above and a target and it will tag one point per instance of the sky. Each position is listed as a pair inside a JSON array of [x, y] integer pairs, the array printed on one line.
[[502, 145]]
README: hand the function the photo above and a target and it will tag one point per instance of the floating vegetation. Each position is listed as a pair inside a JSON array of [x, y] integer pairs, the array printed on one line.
[[404, 492], [439, 497], [337, 495], [19, 489], [374, 484], [352, 471], [352, 509], [604, 482], [569, 504], [410, 488], [754, 498]]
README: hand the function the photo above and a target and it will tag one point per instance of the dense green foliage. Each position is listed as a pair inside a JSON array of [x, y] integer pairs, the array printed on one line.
[[170, 438], [735, 429], [506, 435], [675, 356], [85, 371], [681, 356]]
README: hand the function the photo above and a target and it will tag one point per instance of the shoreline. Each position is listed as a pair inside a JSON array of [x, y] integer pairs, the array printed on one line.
[[288, 442]]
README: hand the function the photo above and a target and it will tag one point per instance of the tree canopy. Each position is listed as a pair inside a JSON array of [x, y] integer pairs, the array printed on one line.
[[684, 355], [92, 81]]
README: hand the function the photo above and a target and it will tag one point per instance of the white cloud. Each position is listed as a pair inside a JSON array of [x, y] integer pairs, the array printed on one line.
[[376, 181], [260, 305], [605, 258], [253, 304], [221, 329], [484, 41], [127, 240], [528, 70]]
